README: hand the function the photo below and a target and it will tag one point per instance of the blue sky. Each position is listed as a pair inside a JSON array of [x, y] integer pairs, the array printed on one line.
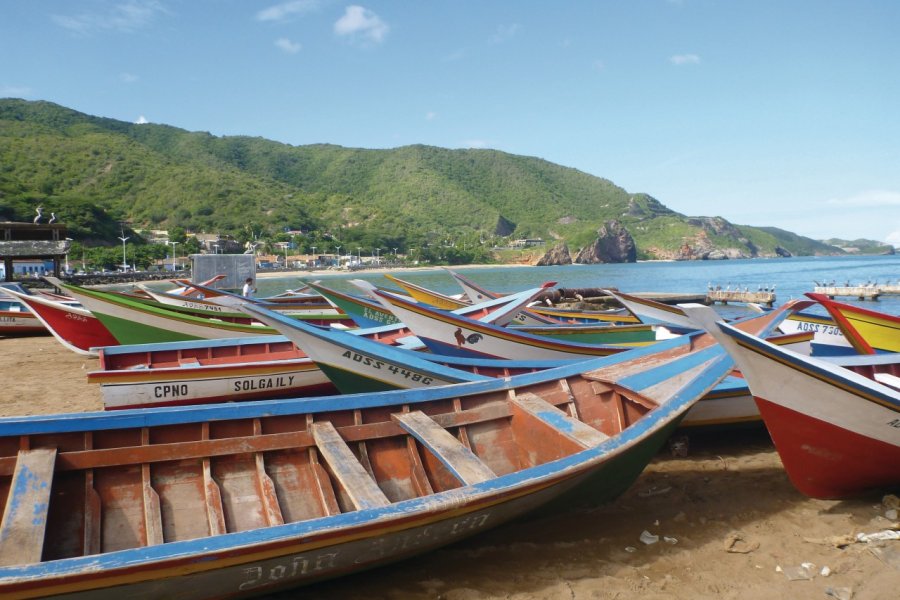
[[764, 112]]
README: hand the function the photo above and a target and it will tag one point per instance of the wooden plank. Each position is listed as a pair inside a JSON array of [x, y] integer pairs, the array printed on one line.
[[458, 459], [215, 510], [571, 407], [324, 488], [356, 481], [265, 485], [583, 434], [25, 516], [92, 507], [210, 448], [152, 512]]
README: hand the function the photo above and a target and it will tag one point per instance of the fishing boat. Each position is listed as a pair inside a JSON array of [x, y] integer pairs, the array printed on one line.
[[430, 297], [358, 365], [205, 371], [319, 313], [246, 499], [291, 299], [534, 314], [837, 431], [447, 333], [828, 340], [132, 321], [72, 325], [868, 331], [363, 310], [270, 366], [16, 319]]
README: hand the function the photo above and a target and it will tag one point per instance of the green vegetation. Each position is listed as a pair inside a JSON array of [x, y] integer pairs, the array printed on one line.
[[103, 176]]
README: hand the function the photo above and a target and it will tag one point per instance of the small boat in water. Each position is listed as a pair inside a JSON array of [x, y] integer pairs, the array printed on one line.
[[245, 499]]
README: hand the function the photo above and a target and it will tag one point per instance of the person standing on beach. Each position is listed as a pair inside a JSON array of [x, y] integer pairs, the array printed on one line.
[[248, 289]]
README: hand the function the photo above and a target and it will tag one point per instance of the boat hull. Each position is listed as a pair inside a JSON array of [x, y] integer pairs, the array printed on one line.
[[14, 322], [837, 432], [202, 385], [74, 327], [825, 460]]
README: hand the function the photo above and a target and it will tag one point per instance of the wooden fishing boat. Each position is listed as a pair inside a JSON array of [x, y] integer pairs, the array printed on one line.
[[364, 311], [249, 498], [827, 337], [16, 319], [289, 299], [430, 297], [534, 314], [319, 307], [451, 334], [868, 331], [72, 325], [837, 432], [651, 311], [358, 365], [201, 372], [132, 321]]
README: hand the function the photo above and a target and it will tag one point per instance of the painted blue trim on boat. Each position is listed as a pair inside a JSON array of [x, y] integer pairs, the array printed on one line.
[[656, 375], [425, 505], [396, 356], [217, 343]]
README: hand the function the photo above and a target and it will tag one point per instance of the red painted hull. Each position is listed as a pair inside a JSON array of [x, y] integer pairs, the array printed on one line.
[[81, 331], [826, 461]]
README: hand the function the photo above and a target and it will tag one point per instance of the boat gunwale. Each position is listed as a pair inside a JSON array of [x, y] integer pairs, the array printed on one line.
[[457, 501]]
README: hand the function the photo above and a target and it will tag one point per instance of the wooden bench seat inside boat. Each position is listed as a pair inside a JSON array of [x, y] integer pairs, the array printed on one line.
[[115, 489]]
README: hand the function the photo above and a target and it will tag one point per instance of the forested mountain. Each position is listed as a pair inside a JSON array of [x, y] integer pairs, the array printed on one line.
[[96, 172]]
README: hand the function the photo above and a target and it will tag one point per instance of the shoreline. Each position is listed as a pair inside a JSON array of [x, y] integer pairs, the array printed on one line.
[[376, 271]]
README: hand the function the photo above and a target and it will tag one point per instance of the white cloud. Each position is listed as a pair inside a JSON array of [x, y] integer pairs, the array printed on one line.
[[128, 77], [360, 22], [430, 116], [684, 59], [504, 33], [288, 46], [124, 17], [284, 10], [599, 66], [869, 198], [15, 91], [893, 238], [141, 120]]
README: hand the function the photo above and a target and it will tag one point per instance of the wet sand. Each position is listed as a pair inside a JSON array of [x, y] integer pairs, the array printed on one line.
[[728, 509]]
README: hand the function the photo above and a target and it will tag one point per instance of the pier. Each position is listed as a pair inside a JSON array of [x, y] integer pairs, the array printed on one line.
[[766, 297], [860, 292]]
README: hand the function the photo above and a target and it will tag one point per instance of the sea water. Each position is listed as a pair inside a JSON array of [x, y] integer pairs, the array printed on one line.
[[789, 277]]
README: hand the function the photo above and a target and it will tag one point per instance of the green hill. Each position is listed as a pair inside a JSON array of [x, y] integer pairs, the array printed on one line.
[[96, 172]]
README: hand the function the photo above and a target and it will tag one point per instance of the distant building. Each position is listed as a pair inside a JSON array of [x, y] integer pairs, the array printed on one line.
[[29, 268], [527, 242]]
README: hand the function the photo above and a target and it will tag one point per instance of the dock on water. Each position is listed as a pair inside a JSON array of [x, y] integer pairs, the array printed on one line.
[[764, 297], [860, 292]]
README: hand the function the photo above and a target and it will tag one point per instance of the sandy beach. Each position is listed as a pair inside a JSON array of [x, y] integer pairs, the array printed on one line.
[[728, 521]]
